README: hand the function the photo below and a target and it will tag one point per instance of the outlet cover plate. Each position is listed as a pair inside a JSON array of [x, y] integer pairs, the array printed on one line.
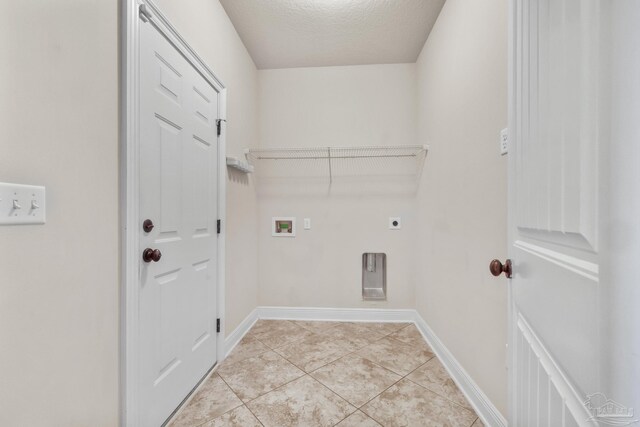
[[395, 223]]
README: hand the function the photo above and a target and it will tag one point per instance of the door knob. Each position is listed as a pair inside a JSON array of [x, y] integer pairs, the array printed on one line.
[[149, 255], [497, 268], [147, 225]]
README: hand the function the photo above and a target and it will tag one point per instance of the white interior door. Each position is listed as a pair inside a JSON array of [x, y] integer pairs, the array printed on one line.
[[557, 126], [178, 193]]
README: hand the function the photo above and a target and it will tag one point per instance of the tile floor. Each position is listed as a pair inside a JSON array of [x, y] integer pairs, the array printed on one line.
[[307, 374]]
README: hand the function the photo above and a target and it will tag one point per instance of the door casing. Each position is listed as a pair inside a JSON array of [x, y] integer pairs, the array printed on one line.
[[129, 191]]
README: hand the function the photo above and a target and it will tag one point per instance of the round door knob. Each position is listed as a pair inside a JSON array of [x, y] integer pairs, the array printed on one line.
[[149, 255], [497, 268]]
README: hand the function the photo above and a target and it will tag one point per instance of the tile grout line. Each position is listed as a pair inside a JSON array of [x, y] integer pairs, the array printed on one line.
[[349, 403], [237, 397], [402, 377], [369, 401], [212, 373], [309, 373], [254, 415], [354, 352], [435, 392], [348, 354], [421, 386], [281, 385], [255, 355]]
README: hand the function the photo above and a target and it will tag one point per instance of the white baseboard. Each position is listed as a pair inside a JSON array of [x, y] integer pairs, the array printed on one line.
[[487, 412], [232, 340], [337, 314]]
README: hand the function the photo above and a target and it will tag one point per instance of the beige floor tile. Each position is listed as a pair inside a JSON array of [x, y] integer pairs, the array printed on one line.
[[478, 423], [257, 375], [358, 419], [409, 335], [313, 352], [212, 399], [353, 335], [248, 347], [301, 403], [408, 404], [263, 325], [316, 326], [397, 356], [277, 333], [433, 376], [385, 328], [355, 378], [239, 417]]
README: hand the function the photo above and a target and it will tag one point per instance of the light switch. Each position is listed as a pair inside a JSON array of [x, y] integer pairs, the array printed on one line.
[[22, 204], [307, 223], [504, 141]]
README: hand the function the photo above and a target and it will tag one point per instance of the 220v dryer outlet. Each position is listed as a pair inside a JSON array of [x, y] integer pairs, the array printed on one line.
[[395, 223]]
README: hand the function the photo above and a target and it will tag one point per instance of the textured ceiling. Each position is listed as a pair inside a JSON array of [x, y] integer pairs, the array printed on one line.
[[315, 33]]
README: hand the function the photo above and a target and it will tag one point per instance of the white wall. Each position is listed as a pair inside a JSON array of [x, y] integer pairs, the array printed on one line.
[[207, 28], [335, 106], [59, 282], [462, 80]]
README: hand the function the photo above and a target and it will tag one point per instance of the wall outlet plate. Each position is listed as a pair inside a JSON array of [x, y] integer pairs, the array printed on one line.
[[395, 223], [504, 141], [22, 204], [307, 223], [283, 226]]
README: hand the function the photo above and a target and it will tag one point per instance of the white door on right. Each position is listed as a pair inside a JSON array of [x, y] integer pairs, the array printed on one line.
[[557, 131]]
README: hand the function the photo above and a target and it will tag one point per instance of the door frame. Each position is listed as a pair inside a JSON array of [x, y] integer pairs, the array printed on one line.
[[132, 12]]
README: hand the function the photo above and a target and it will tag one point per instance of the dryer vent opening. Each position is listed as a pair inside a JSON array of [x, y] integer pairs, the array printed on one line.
[[374, 276]]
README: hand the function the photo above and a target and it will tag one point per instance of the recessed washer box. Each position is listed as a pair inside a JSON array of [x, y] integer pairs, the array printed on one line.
[[283, 226]]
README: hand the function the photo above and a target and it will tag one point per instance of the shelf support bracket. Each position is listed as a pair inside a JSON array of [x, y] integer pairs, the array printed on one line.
[[330, 172]]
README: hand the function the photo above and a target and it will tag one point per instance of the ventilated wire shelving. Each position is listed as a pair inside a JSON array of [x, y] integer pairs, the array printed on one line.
[[398, 160]]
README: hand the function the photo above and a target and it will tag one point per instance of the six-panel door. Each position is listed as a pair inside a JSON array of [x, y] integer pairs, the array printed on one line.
[[178, 192]]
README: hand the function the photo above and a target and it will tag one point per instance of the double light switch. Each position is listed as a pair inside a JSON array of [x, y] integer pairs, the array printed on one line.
[[21, 204]]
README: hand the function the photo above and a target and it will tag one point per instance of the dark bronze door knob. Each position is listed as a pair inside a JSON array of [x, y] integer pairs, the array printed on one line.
[[149, 255], [497, 268]]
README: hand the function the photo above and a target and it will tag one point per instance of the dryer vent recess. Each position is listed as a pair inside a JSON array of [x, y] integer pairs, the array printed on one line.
[[374, 276]]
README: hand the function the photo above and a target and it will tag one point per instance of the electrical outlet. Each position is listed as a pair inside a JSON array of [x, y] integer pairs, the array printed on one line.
[[504, 141], [395, 223], [307, 223]]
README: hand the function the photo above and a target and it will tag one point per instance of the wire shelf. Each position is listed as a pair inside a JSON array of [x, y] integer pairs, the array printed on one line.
[[359, 169], [328, 153]]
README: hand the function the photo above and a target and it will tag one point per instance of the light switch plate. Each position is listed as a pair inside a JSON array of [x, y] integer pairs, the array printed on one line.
[[22, 204], [395, 223], [504, 141]]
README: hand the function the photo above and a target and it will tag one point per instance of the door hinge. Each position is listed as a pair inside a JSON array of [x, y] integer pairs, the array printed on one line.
[[219, 225], [218, 325], [219, 126]]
